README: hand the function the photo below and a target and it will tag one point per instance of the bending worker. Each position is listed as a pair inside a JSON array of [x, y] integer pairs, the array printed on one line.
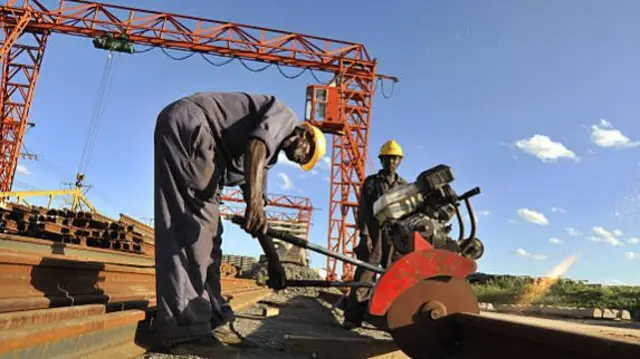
[[374, 247], [201, 143]]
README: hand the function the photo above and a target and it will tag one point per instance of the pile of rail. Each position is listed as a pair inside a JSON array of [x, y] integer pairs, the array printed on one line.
[[233, 265], [82, 228], [72, 296]]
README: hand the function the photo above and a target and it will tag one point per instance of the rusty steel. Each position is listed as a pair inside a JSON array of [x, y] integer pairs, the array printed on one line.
[[15, 243], [354, 73], [228, 270], [86, 331], [21, 319], [79, 228], [73, 337], [32, 281]]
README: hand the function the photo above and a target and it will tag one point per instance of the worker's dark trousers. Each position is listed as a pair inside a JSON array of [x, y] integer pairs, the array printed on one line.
[[379, 252], [187, 226]]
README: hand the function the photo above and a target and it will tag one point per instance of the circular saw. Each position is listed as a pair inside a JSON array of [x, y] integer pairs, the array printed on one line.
[[417, 295]]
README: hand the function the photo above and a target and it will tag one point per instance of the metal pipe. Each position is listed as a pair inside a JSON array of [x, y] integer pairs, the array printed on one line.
[[460, 224], [472, 218], [328, 284], [299, 242]]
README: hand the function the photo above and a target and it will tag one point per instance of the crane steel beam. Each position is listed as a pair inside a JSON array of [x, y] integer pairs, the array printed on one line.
[[297, 209]]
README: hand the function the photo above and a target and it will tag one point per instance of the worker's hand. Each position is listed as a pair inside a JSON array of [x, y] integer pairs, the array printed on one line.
[[255, 221], [277, 276]]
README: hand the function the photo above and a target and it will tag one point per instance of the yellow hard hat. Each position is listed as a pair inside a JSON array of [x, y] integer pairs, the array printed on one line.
[[391, 148], [319, 148]]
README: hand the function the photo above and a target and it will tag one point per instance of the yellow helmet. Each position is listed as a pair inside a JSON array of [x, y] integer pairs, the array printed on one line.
[[391, 148], [319, 148]]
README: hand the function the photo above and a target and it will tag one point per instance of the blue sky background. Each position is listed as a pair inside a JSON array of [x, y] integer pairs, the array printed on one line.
[[536, 102]]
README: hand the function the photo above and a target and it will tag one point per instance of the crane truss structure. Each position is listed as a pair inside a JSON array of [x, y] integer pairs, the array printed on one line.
[[27, 26], [294, 211]]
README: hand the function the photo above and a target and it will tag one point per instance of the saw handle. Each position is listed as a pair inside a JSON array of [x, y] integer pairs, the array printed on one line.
[[327, 284], [299, 242], [465, 197]]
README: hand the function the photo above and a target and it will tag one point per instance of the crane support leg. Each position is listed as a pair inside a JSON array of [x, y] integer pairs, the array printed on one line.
[[357, 82], [20, 69], [12, 36]]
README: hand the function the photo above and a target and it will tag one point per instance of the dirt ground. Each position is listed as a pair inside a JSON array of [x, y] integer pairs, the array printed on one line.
[[257, 336]]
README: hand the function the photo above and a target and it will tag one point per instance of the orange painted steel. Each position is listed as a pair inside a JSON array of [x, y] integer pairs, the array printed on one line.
[[301, 207], [354, 70]]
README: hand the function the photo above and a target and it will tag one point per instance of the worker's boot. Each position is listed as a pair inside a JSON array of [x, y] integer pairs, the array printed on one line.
[[351, 324], [206, 347]]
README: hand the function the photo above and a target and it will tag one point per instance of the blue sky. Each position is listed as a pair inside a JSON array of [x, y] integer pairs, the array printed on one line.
[[536, 102]]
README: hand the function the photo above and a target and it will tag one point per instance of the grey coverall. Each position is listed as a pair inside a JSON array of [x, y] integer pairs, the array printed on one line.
[[374, 247], [199, 147]]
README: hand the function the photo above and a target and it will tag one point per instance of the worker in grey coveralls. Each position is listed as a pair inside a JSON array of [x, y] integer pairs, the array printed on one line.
[[375, 247], [202, 143]]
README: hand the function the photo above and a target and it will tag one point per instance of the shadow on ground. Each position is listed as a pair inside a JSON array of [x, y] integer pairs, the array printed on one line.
[[305, 316]]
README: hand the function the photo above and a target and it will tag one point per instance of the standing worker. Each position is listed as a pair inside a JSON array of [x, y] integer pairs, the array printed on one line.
[[374, 247], [201, 143]]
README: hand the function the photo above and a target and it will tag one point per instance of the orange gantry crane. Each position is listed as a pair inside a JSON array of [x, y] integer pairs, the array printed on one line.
[[341, 107]]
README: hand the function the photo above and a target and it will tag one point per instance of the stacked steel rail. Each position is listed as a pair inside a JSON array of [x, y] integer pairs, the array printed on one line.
[[83, 228], [78, 284]]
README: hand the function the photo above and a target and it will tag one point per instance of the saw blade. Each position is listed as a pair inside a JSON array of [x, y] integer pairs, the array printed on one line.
[[417, 320]]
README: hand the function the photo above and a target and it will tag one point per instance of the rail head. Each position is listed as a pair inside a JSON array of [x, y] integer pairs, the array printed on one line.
[[491, 334]]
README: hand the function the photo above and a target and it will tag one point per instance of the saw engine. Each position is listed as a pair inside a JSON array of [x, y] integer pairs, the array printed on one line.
[[417, 297], [427, 207]]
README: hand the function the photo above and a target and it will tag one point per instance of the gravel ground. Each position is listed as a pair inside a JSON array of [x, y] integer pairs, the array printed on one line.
[[294, 271], [263, 337]]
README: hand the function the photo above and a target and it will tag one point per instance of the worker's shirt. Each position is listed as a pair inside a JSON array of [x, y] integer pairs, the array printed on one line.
[[374, 187], [237, 117]]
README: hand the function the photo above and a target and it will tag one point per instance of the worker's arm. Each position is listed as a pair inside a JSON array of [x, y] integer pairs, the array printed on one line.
[[365, 213], [255, 219], [254, 168]]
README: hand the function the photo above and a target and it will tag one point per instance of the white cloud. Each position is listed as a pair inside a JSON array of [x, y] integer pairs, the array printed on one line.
[[522, 253], [632, 255], [483, 213], [512, 221], [285, 182], [325, 178], [22, 170], [605, 236], [327, 161], [558, 210], [533, 216], [554, 240], [605, 136], [544, 148], [282, 158], [573, 232], [634, 240], [613, 282]]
